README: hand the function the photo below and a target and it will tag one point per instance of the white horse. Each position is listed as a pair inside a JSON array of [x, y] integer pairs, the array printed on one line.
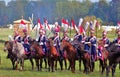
[[18, 50]]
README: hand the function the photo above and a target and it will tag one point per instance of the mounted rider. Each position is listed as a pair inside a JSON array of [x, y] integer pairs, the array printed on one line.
[[78, 36], [91, 45], [65, 36], [104, 42], [17, 37], [25, 40], [42, 40], [117, 40]]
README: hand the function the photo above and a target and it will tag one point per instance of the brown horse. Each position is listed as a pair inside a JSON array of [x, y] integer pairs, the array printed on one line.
[[53, 56], [104, 54], [39, 54], [71, 53]]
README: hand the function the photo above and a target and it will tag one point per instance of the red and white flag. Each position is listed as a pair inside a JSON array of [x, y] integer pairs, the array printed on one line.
[[80, 22], [65, 24], [39, 24], [73, 24]]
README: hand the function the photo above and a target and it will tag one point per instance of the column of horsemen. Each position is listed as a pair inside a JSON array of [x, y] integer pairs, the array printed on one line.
[[90, 42]]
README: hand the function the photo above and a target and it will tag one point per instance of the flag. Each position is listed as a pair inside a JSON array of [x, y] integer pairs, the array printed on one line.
[[65, 24], [73, 24], [118, 24], [46, 24], [81, 30], [94, 24], [22, 25], [86, 25], [98, 25], [80, 22], [39, 24]]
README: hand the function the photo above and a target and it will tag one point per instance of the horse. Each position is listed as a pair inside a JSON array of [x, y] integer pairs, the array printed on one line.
[[39, 54], [71, 53], [19, 52], [113, 57], [53, 56], [8, 45], [82, 55], [104, 55]]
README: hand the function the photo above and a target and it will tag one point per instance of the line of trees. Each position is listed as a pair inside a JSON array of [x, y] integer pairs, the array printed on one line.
[[54, 10]]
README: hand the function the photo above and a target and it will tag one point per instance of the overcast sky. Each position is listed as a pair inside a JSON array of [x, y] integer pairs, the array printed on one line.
[[78, 0]]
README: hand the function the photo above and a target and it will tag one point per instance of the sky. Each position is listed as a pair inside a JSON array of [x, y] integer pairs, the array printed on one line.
[[78, 0]]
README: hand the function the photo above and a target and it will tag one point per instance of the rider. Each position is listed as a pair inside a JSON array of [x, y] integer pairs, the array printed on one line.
[[105, 42], [56, 41], [90, 45], [65, 36], [42, 40], [117, 40], [78, 36], [25, 41], [17, 37]]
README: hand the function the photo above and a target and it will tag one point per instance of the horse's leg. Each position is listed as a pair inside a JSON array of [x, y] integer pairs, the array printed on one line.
[[37, 63], [61, 63], [101, 64], [22, 64], [92, 65], [32, 63], [72, 65], [52, 65], [48, 64], [119, 65], [65, 63], [69, 67], [55, 64], [79, 64], [104, 65], [16, 64], [108, 68], [41, 61], [13, 63], [45, 62], [113, 69]]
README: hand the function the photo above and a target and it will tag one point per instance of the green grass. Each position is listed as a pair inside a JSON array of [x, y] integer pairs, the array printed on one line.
[[6, 66]]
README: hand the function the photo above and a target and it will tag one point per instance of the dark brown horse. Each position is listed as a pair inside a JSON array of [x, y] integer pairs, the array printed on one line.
[[82, 55], [53, 56], [8, 46], [38, 54], [71, 53], [113, 57]]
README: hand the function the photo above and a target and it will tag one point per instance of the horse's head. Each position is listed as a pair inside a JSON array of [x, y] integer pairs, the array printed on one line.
[[8, 46], [64, 44], [34, 45], [100, 43]]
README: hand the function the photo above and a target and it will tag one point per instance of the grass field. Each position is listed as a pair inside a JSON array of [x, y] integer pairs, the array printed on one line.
[[6, 66]]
